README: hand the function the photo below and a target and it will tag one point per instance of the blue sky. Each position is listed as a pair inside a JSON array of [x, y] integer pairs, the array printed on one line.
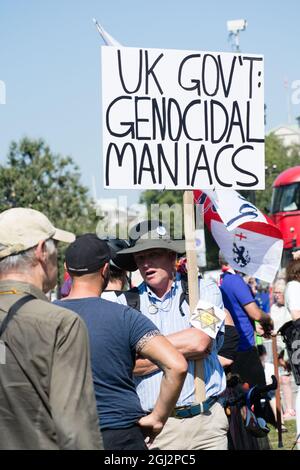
[[50, 61]]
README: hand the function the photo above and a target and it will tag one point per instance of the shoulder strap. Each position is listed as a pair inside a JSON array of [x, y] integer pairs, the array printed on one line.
[[132, 297], [184, 294], [13, 310], [20, 360]]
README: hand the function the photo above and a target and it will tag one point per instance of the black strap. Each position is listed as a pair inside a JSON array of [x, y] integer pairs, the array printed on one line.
[[13, 310], [184, 294], [133, 297]]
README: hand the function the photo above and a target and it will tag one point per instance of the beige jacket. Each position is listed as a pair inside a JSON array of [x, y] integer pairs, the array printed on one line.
[[46, 391]]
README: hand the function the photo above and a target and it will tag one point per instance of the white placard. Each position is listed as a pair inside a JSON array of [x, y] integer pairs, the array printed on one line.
[[182, 119]]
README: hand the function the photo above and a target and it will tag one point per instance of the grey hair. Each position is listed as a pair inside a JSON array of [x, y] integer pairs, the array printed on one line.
[[279, 285], [24, 260]]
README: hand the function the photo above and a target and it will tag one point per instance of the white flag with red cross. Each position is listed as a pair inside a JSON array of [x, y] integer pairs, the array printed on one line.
[[249, 240]]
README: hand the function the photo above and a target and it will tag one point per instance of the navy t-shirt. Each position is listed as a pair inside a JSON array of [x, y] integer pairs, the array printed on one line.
[[114, 331], [236, 293]]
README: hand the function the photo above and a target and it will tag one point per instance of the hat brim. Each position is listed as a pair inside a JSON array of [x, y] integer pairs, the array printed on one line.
[[178, 246], [63, 236], [124, 263]]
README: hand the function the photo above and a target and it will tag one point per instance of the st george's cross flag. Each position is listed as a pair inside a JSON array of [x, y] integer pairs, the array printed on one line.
[[249, 240]]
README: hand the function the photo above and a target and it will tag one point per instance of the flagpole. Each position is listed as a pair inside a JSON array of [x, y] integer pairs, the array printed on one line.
[[192, 272], [277, 396]]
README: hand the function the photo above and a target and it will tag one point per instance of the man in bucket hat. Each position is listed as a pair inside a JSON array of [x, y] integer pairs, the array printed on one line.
[[117, 334], [161, 298], [46, 392]]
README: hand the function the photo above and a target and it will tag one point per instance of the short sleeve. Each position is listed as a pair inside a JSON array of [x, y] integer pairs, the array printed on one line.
[[242, 291], [139, 326], [292, 295]]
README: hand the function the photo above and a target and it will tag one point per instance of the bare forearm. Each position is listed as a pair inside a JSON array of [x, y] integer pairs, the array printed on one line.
[[192, 343], [144, 367], [170, 388]]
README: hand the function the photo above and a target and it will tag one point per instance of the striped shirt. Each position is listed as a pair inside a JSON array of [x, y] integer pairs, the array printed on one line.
[[168, 319]]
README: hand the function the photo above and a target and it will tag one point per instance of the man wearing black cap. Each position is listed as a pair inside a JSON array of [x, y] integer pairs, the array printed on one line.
[[117, 334], [162, 299]]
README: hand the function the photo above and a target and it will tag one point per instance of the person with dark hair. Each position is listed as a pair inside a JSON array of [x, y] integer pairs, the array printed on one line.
[[117, 334], [119, 266], [292, 304]]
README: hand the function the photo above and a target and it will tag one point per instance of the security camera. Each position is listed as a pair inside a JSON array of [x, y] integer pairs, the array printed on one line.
[[234, 26]]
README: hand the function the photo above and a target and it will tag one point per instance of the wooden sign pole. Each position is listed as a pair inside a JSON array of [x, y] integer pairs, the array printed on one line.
[[277, 396], [192, 271]]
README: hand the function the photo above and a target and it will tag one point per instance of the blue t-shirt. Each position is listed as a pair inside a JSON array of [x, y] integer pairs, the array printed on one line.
[[236, 293], [114, 331]]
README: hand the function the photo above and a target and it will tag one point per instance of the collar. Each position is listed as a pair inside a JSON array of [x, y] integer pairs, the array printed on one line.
[[11, 287], [167, 295], [227, 269]]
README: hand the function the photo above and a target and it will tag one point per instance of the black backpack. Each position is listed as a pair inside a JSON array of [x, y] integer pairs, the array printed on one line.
[[290, 333]]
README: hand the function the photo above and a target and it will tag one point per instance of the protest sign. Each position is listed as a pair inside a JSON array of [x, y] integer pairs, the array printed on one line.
[[182, 119]]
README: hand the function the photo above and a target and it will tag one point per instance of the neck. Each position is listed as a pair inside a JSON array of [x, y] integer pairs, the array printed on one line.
[[161, 290], [29, 278], [83, 288]]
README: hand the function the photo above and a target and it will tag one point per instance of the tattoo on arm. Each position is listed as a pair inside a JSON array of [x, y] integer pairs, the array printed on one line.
[[145, 339]]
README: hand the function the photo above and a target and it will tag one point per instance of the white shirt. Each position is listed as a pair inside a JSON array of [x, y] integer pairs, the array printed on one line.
[[292, 297], [280, 315]]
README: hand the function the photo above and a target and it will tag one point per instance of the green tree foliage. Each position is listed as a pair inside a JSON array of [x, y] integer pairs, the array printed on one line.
[[277, 159], [34, 177]]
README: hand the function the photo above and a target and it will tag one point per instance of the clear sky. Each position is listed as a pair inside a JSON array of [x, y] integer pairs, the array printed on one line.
[[50, 61]]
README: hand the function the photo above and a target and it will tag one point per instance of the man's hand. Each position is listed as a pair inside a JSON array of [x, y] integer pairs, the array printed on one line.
[[259, 329], [151, 426], [267, 325]]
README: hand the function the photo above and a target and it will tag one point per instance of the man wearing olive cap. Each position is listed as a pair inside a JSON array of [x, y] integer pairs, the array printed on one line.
[[46, 390]]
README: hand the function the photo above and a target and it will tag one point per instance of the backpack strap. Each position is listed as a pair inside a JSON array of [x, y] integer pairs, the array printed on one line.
[[184, 294], [21, 361], [132, 297], [13, 310]]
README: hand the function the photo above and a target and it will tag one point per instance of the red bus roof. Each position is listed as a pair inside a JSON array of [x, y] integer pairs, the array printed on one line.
[[289, 176]]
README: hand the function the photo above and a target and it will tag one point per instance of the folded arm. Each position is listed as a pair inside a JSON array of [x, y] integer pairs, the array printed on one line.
[[192, 343]]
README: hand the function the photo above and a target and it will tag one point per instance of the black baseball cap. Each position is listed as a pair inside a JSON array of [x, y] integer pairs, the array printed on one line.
[[87, 254]]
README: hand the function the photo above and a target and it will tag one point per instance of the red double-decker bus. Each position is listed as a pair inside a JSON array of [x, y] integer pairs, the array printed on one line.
[[285, 209]]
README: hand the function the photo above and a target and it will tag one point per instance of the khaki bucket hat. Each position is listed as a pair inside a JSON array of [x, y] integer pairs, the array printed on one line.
[[23, 228]]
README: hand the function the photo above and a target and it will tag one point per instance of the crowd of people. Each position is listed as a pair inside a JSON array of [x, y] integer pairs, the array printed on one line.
[[115, 367]]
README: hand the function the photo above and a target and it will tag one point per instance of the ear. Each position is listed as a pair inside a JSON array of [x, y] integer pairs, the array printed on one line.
[[105, 269], [40, 251]]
